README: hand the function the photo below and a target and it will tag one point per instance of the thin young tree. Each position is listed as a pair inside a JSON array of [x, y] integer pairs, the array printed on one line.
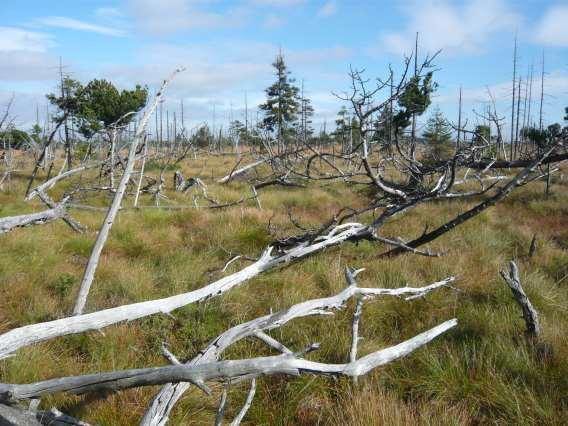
[[281, 106]]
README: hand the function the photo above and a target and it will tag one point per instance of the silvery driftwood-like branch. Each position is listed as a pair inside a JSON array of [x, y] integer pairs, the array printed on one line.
[[240, 171], [15, 416], [530, 314], [10, 223], [51, 182], [289, 364], [163, 402], [102, 236], [35, 333]]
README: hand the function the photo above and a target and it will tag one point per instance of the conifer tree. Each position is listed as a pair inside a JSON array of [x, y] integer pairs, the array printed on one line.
[[282, 106], [438, 135]]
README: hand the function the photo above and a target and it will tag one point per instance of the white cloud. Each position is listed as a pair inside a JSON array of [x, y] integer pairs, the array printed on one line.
[[167, 16], [552, 30], [15, 39], [328, 9], [74, 24], [27, 66], [443, 24]]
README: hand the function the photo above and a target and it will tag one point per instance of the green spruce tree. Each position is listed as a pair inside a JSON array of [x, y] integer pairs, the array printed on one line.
[[438, 135], [282, 105]]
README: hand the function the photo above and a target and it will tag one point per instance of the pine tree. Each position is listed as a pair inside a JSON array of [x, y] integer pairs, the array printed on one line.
[[414, 100], [438, 135], [281, 106]]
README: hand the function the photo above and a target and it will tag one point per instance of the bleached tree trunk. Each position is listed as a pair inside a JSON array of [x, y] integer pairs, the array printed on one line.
[[10, 223], [35, 333], [530, 314], [115, 206], [160, 408], [139, 185], [289, 364], [112, 156], [240, 171]]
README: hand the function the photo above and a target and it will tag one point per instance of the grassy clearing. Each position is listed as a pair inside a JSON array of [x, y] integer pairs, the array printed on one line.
[[484, 372]]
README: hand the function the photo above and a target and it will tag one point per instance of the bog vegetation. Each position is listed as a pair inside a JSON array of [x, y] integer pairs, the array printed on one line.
[[139, 256]]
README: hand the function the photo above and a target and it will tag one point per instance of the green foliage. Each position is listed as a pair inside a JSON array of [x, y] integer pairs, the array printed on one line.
[[63, 284], [305, 129], [96, 105], [414, 100], [482, 134], [542, 137], [104, 105], [15, 138], [384, 129], [281, 106], [69, 101], [438, 135], [342, 125], [35, 133], [203, 137]]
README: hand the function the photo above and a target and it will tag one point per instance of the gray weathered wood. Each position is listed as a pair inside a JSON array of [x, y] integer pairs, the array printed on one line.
[[246, 405], [91, 267], [162, 404], [242, 170], [220, 370], [10, 223], [530, 315], [34, 333]]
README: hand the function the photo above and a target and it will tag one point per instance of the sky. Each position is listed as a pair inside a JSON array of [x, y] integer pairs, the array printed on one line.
[[227, 48]]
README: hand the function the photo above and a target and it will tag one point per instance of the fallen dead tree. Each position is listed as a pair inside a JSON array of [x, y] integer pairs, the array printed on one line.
[[35, 333], [290, 364], [242, 170], [10, 223], [207, 366], [15, 416], [160, 408]]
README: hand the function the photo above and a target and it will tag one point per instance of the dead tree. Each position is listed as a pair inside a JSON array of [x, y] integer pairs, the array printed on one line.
[[10, 223], [115, 206], [13, 415], [530, 314], [207, 366]]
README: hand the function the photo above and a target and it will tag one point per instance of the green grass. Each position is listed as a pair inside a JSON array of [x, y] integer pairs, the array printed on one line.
[[482, 372]]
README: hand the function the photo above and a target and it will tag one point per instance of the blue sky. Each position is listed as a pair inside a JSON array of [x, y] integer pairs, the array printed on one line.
[[227, 48]]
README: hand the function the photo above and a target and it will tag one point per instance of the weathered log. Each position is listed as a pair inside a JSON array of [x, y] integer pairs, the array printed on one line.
[[246, 405], [10, 223], [530, 314], [500, 194], [240, 171], [51, 182], [162, 404], [73, 224], [221, 370], [183, 185], [15, 416], [34, 333]]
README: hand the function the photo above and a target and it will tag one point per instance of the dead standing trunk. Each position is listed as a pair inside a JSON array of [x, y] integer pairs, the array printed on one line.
[[115, 206]]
